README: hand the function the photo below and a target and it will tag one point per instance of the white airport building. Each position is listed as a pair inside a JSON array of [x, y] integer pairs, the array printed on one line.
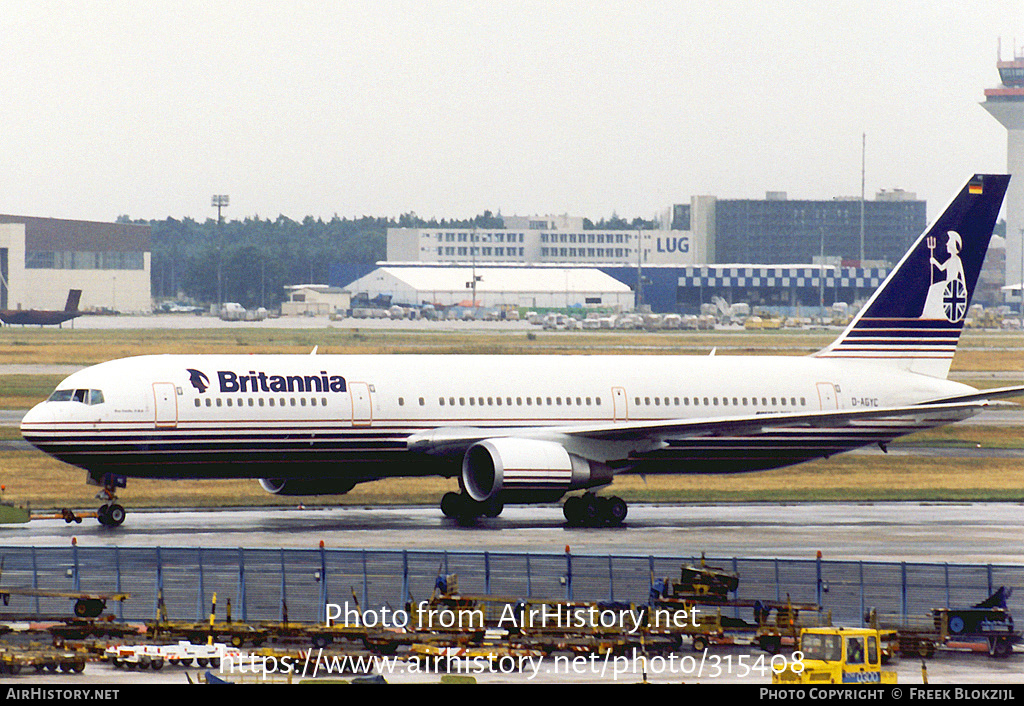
[[42, 258], [554, 240], [526, 287]]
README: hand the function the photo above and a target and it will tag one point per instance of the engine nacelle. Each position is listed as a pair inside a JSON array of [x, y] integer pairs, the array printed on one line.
[[524, 468], [307, 486]]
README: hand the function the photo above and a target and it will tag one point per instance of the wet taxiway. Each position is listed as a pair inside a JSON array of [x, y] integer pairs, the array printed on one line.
[[932, 532]]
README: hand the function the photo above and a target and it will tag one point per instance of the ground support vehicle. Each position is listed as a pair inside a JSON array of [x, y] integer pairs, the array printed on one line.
[[14, 660], [183, 653], [830, 655], [696, 604], [238, 634], [987, 627], [84, 628]]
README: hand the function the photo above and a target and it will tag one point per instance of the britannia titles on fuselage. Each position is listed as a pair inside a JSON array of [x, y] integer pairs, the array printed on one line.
[[261, 382]]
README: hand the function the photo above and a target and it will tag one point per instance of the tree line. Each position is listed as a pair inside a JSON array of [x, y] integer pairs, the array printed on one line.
[[251, 261]]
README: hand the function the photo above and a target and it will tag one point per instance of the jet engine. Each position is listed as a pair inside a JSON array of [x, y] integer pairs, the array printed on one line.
[[527, 470], [307, 486]]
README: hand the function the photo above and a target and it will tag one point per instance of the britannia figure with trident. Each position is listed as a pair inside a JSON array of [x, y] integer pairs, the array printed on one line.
[[947, 298]]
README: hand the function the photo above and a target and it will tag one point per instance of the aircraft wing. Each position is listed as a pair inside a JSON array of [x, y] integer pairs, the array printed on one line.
[[451, 440]]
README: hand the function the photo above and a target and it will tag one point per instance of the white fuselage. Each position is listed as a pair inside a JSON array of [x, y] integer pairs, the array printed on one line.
[[349, 416]]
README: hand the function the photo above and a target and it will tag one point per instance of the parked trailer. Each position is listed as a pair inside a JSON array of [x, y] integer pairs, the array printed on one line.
[[696, 602], [183, 653], [14, 660], [987, 627]]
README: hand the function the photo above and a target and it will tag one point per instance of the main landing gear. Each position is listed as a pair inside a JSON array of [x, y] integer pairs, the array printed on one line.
[[463, 508], [589, 510]]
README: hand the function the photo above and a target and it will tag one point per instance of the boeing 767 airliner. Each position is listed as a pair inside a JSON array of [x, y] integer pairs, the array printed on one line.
[[529, 429]]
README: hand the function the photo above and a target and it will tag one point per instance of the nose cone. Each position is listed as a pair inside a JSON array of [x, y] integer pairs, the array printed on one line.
[[35, 419]]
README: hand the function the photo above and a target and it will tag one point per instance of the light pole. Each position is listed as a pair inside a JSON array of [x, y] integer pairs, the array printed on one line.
[[220, 201]]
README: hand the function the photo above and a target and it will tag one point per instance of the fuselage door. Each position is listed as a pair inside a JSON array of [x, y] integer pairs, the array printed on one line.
[[165, 399], [619, 404], [362, 405], [827, 396]]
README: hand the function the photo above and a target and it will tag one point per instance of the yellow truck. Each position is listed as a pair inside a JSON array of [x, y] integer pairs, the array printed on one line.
[[837, 656]]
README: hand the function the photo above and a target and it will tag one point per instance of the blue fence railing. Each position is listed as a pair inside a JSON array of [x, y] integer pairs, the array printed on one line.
[[269, 584]]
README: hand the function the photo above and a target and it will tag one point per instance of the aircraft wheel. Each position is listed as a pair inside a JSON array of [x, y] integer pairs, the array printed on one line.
[[452, 504], [617, 510], [573, 510], [492, 507], [115, 515], [591, 510], [89, 607]]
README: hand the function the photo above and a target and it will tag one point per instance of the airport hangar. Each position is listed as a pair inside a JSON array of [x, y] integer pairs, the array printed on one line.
[[677, 262], [42, 258]]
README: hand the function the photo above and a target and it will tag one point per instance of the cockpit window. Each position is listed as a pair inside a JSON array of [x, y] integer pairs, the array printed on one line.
[[88, 397]]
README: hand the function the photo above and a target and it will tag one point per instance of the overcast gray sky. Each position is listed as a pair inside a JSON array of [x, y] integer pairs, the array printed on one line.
[[448, 108]]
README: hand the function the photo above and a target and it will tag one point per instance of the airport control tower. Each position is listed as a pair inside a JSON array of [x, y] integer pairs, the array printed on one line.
[[1006, 104]]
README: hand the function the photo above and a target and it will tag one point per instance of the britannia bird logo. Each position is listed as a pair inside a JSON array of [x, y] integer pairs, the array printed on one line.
[[198, 380]]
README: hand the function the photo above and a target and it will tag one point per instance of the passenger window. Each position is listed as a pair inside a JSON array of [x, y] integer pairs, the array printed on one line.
[[198, 402]]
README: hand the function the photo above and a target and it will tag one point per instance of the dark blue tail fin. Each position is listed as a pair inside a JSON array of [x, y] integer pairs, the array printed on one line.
[[916, 316]]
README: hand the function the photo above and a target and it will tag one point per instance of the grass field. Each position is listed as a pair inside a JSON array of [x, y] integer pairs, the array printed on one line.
[[47, 484]]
